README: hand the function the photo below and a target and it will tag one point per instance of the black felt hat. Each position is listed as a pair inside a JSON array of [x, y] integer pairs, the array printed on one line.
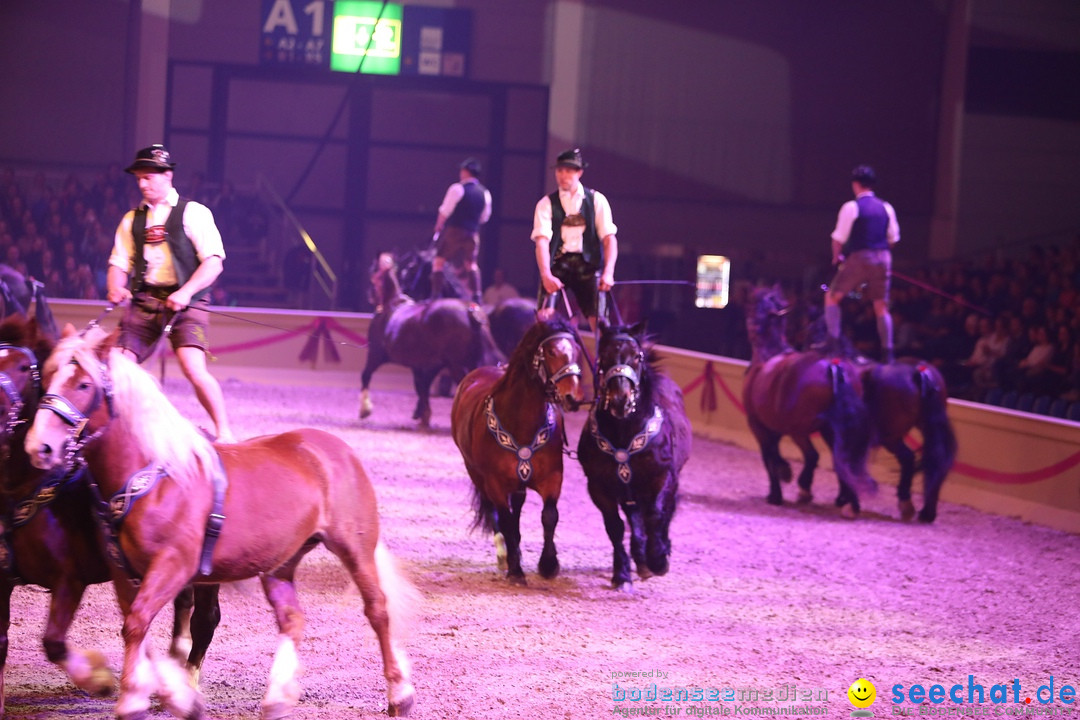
[[570, 158], [155, 158]]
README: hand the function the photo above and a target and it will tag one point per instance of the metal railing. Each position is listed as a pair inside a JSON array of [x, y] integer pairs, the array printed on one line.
[[293, 235]]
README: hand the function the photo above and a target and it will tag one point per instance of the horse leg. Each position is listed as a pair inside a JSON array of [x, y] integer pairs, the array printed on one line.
[[86, 668], [204, 621], [180, 646], [933, 478], [810, 463], [283, 689], [906, 458], [637, 540], [846, 499], [386, 597], [508, 522], [549, 558], [375, 358], [775, 466], [657, 524], [143, 674], [422, 380], [615, 528]]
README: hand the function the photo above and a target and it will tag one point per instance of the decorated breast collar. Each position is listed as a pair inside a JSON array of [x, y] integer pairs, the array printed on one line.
[[506, 440], [639, 443]]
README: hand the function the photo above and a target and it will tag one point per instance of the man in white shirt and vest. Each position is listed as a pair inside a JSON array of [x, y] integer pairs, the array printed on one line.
[[575, 243], [465, 207], [866, 230], [166, 255]]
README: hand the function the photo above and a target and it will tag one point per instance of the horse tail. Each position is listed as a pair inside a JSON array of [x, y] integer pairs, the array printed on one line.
[[402, 597], [850, 422], [939, 439], [483, 512]]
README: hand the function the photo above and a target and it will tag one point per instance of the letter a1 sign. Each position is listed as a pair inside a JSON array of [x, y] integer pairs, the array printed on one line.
[[296, 32]]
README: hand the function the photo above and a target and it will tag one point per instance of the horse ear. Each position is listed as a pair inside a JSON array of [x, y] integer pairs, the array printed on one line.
[[68, 331], [639, 328], [107, 343]]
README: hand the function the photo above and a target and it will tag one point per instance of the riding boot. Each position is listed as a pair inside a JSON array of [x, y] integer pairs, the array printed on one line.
[[884, 327], [437, 280], [474, 285]]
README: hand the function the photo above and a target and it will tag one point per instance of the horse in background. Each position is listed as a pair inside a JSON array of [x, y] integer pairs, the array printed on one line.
[[903, 395], [508, 424], [184, 509], [798, 394], [509, 321], [632, 450], [425, 337], [50, 537]]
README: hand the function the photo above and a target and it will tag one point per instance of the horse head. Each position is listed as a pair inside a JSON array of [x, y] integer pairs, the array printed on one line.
[[77, 404], [554, 358], [384, 281], [621, 365], [765, 323], [22, 349]]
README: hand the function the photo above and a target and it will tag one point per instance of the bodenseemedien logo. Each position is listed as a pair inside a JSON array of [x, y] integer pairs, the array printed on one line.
[[862, 694]]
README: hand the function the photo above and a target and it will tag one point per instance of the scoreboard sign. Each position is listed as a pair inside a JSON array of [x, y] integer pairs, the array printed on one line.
[[368, 36]]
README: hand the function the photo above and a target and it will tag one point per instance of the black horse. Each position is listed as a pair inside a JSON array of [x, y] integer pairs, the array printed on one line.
[[632, 449], [510, 320], [906, 394], [425, 337], [798, 394]]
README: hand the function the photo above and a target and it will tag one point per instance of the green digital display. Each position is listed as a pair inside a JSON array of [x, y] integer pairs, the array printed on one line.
[[364, 41]]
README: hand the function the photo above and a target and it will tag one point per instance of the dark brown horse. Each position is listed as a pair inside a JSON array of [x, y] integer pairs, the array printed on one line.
[[425, 337], [49, 536], [798, 394], [632, 450], [905, 395], [180, 509], [509, 321], [508, 425]]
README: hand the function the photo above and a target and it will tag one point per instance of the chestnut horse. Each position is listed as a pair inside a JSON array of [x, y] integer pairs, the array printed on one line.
[[180, 509], [425, 337], [632, 450], [50, 538], [901, 396], [798, 394], [507, 423]]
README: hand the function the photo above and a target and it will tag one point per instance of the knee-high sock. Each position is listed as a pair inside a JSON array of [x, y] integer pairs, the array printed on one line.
[[884, 328], [832, 320], [437, 279], [474, 285]]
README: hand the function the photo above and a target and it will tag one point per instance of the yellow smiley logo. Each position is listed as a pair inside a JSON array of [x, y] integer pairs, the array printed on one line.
[[862, 693]]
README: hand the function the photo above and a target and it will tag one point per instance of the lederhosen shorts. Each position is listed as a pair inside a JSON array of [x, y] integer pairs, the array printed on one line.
[[580, 278], [458, 246], [147, 316], [871, 267]]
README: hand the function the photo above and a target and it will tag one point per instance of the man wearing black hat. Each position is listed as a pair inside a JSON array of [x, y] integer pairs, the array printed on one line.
[[575, 241], [166, 255], [866, 230], [466, 206]]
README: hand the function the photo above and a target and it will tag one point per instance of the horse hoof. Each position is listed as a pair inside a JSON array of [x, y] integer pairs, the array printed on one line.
[[275, 711], [907, 510], [402, 708], [548, 570], [626, 587], [774, 499], [805, 497], [517, 580], [365, 410], [927, 517], [848, 512]]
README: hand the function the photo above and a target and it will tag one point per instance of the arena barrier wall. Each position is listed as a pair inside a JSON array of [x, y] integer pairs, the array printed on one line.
[[1010, 463]]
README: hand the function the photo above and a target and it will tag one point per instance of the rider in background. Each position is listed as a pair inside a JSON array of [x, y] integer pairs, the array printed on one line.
[[465, 207], [575, 241], [866, 230]]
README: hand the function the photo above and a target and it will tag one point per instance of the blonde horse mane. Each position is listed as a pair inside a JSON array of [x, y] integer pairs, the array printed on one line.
[[157, 427]]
